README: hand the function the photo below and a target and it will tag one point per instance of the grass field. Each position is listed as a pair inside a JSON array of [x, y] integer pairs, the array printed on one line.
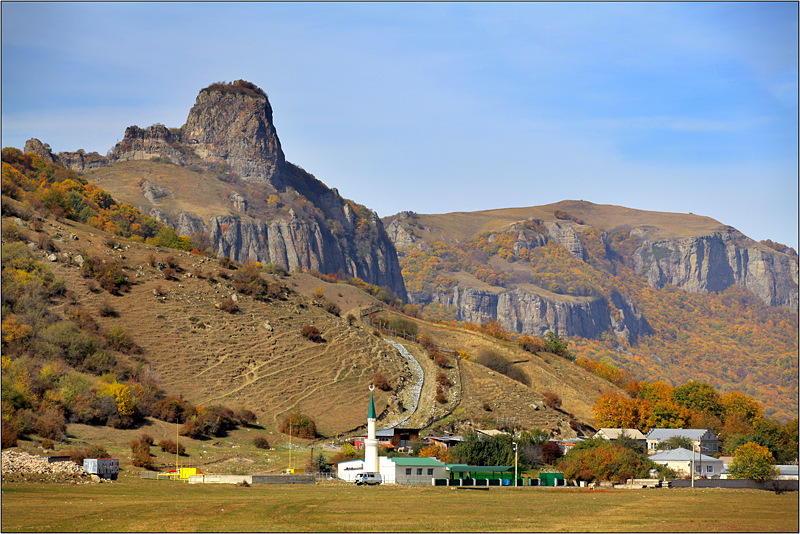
[[157, 506]]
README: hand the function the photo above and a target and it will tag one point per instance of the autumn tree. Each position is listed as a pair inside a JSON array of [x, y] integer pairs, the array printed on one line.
[[699, 397], [613, 410], [752, 461]]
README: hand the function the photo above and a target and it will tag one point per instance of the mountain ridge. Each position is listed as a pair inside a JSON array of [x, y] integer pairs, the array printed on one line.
[[277, 212]]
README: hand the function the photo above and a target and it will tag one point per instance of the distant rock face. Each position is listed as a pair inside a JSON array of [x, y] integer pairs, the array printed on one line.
[[565, 235], [399, 236], [310, 245], [526, 313], [717, 261], [227, 126]]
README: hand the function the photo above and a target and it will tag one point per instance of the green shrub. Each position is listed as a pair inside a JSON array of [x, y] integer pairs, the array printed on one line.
[[65, 340], [142, 459], [99, 363], [23, 422], [403, 326], [119, 340]]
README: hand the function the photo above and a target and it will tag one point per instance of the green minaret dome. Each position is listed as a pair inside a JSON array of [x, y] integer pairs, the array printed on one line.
[[371, 412]]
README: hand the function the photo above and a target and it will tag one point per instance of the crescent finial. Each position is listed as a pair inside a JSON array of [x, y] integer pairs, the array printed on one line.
[[371, 387]]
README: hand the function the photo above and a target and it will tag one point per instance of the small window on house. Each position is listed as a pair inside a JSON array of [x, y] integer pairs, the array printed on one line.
[[419, 471], [430, 472], [709, 469], [408, 471]]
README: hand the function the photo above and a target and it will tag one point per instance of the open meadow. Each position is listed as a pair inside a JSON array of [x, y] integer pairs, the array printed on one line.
[[133, 504]]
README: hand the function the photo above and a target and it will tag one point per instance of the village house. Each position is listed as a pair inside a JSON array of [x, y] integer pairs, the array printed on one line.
[[703, 440], [680, 460], [444, 442], [613, 433], [391, 438]]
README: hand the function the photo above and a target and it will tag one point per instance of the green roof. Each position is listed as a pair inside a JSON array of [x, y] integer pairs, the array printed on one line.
[[463, 468], [371, 412], [432, 462]]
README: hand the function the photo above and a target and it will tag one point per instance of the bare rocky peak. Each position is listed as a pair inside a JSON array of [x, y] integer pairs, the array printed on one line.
[[232, 123]]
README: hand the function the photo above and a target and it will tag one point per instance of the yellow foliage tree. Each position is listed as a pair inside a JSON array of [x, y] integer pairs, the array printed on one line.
[[433, 451], [121, 394]]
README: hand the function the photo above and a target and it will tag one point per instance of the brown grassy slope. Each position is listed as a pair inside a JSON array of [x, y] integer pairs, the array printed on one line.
[[191, 191], [460, 226], [507, 398], [210, 356]]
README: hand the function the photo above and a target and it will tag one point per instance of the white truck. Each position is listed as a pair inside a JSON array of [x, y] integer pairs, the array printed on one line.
[[370, 479]]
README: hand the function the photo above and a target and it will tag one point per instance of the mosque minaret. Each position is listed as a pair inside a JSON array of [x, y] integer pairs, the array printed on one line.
[[371, 462]]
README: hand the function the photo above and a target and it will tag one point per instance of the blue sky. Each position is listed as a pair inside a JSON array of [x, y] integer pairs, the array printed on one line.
[[440, 107]]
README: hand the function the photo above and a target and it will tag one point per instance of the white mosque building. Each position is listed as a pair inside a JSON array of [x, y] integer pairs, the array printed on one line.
[[394, 470]]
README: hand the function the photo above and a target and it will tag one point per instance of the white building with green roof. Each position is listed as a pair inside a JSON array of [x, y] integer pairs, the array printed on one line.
[[398, 470], [393, 470]]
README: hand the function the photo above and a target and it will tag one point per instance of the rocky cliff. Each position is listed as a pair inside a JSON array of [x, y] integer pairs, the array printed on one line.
[[581, 296], [715, 262], [528, 313], [229, 131]]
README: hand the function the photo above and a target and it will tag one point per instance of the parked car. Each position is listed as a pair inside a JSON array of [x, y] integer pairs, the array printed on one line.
[[368, 478]]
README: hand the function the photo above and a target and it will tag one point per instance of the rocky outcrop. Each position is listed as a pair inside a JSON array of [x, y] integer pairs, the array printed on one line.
[[399, 236], [79, 161], [307, 244], [715, 262], [233, 124], [527, 313], [565, 235]]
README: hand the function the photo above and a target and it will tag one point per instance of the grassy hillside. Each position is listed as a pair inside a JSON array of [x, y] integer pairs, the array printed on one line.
[[155, 319]]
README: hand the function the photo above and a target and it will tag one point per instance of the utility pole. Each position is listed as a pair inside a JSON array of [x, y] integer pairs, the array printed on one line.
[[692, 465], [516, 459]]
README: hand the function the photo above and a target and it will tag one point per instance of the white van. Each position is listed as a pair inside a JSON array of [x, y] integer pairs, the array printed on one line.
[[368, 478]]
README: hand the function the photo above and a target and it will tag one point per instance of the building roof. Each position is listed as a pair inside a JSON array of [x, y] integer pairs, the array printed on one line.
[[424, 461], [446, 439], [614, 433], [681, 455], [464, 468], [492, 432], [662, 434], [787, 470]]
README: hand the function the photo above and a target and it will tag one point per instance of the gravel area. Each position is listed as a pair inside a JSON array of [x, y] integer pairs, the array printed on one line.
[[415, 389], [18, 466]]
